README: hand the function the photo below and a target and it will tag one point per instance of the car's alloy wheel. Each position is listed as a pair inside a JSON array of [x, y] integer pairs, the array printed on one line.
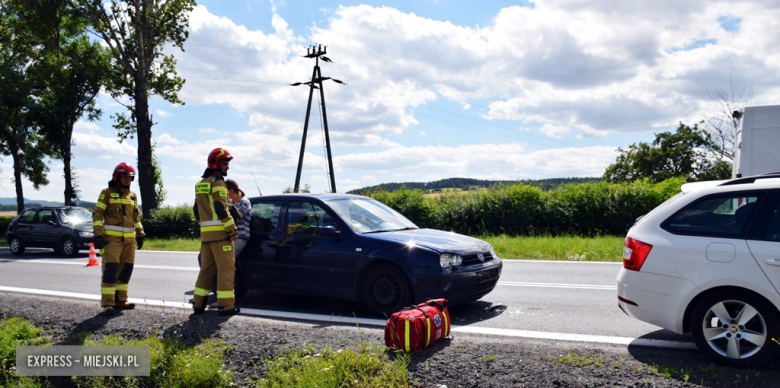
[[17, 248], [385, 290], [735, 327], [69, 247]]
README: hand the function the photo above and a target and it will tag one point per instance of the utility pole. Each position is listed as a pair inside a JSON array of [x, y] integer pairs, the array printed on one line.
[[316, 51]]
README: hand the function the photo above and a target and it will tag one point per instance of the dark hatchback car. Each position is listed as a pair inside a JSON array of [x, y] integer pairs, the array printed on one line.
[[353, 247], [66, 229]]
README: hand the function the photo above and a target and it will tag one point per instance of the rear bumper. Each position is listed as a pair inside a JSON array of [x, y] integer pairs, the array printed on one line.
[[459, 286], [660, 300]]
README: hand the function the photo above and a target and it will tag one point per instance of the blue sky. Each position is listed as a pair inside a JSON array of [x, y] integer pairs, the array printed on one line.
[[435, 89]]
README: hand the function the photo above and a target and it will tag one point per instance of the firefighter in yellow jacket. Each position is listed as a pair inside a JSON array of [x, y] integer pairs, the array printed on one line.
[[217, 233], [118, 231]]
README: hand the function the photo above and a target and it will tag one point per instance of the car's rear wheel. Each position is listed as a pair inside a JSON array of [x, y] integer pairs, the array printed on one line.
[[735, 327], [385, 290], [17, 248], [68, 247]]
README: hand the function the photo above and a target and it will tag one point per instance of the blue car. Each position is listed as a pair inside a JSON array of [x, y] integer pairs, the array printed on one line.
[[353, 247]]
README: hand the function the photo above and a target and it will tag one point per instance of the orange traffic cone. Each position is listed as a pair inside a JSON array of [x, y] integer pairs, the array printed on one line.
[[92, 256]]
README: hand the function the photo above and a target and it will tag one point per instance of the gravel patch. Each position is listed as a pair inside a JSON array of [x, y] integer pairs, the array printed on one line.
[[463, 361]]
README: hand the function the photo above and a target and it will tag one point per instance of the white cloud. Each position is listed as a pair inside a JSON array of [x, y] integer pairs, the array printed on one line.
[[86, 125], [164, 113], [553, 130], [96, 146]]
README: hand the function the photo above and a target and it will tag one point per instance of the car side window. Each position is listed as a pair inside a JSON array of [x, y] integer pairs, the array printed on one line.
[[27, 217], [773, 231], [305, 219], [717, 216], [44, 216], [265, 217]]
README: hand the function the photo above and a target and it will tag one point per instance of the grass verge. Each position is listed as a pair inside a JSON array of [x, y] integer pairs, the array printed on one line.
[[172, 244], [369, 366], [562, 248], [18, 332]]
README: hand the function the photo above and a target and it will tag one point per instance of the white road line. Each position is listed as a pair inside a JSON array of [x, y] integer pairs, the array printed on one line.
[[381, 322], [557, 285], [83, 263], [162, 267]]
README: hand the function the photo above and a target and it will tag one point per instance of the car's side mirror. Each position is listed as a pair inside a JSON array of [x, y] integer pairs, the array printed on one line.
[[329, 231], [51, 223]]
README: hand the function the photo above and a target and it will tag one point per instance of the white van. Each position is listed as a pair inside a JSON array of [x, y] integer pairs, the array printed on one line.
[[758, 141]]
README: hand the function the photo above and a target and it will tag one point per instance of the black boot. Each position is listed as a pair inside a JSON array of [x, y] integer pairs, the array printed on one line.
[[108, 311], [197, 310], [124, 306], [227, 313]]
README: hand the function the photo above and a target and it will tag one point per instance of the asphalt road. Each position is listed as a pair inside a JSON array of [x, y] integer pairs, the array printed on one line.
[[558, 297]]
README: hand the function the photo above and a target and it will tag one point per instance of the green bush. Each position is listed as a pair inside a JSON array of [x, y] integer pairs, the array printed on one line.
[[4, 222], [172, 222], [411, 203], [585, 209]]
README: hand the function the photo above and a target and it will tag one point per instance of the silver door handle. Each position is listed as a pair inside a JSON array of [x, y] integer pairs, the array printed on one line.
[[775, 262]]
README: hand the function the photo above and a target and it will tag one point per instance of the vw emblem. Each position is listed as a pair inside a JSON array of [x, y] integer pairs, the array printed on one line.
[[480, 257]]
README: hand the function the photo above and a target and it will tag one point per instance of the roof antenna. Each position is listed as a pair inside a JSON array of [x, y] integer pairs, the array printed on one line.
[[258, 187]]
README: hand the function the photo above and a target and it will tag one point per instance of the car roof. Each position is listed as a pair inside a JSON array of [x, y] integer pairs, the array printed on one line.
[[55, 207], [770, 180], [304, 196]]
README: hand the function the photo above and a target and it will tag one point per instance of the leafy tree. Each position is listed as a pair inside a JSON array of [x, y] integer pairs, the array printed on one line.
[[682, 153], [19, 56], [306, 188], [720, 121], [72, 71], [136, 32]]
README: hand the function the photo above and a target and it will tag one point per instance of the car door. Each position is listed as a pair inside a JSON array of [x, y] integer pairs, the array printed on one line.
[[314, 262], [260, 263], [46, 230], [24, 227], [765, 243]]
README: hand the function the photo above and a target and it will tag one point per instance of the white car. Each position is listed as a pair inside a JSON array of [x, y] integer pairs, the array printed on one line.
[[708, 262]]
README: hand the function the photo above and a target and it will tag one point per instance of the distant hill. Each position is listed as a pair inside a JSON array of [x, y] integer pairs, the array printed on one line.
[[9, 203], [468, 183]]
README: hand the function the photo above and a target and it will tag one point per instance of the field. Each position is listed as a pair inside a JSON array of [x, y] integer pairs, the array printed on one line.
[[7, 213]]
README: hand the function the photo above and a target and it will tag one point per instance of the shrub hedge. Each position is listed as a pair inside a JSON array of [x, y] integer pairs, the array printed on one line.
[[585, 209], [172, 222]]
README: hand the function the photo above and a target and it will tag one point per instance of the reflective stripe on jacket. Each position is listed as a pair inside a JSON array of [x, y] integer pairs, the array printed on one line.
[[211, 209], [116, 215]]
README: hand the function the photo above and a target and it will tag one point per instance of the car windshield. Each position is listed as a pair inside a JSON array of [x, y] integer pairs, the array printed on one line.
[[369, 216], [74, 216]]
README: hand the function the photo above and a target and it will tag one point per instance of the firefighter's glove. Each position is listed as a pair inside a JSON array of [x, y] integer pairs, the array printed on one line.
[[140, 241], [98, 242], [234, 212]]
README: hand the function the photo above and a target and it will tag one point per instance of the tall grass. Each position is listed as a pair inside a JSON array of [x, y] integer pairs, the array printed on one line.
[[368, 367]]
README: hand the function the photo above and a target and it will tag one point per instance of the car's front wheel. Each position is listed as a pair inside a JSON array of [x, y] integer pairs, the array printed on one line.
[[735, 327], [385, 290], [17, 248], [68, 247]]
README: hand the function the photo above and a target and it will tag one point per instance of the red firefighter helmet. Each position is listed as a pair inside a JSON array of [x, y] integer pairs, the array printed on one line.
[[216, 155], [123, 169]]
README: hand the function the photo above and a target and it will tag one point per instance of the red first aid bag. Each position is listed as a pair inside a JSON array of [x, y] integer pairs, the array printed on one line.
[[418, 327]]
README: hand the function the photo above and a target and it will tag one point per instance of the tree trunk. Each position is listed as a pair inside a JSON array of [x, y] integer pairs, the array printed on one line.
[[17, 176], [146, 179], [65, 148]]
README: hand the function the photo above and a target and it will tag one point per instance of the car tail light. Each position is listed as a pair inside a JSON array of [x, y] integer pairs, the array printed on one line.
[[634, 254], [624, 300]]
